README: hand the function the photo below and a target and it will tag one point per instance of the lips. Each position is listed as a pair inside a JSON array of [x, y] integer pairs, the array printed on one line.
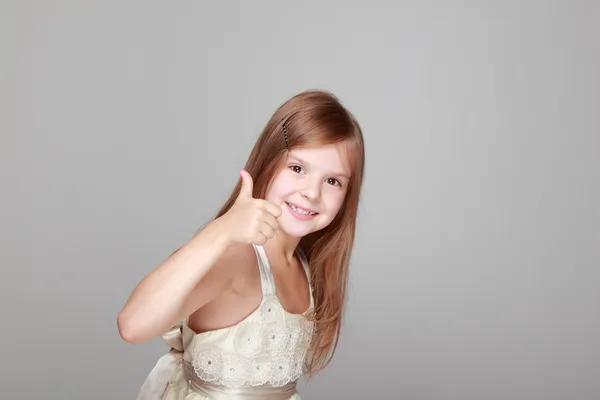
[[301, 210]]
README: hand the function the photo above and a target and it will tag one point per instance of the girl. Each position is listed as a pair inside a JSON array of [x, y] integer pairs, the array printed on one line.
[[261, 289]]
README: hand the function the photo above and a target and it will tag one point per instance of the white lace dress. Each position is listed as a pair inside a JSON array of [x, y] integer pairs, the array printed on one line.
[[261, 357]]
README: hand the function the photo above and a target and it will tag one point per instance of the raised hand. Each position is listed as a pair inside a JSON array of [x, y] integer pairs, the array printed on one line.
[[251, 220]]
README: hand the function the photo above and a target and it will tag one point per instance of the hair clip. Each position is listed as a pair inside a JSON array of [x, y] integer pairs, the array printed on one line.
[[285, 136]]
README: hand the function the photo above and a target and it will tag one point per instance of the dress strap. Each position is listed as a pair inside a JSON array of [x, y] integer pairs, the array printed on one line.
[[267, 282], [304, 261]]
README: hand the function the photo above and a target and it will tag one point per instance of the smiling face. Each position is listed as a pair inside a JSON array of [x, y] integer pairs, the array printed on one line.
[[310, 187]]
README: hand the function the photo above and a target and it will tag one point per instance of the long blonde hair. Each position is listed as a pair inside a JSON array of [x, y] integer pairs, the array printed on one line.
[[314, 118]]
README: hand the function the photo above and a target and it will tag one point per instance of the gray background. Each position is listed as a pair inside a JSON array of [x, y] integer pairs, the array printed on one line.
[[475, 275]]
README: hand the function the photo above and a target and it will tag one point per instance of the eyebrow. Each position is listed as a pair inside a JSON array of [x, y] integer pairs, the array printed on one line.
[[301, 161]]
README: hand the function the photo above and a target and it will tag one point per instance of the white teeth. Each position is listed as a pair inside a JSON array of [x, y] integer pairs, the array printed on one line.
[[301, 210]]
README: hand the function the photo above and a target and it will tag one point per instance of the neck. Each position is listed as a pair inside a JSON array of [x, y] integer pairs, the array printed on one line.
[[281, 246]]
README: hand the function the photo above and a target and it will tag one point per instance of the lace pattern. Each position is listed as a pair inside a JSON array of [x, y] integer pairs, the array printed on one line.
[[270, 349]]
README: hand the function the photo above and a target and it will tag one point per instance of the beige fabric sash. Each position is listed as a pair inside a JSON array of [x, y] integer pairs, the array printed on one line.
[[218, 392]]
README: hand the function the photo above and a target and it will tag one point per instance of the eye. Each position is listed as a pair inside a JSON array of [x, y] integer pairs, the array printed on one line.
[[333, 181], [297, 169]]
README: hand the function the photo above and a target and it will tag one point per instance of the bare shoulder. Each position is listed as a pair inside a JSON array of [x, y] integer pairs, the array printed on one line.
[[235, 260], [233, 265], [228, 291]]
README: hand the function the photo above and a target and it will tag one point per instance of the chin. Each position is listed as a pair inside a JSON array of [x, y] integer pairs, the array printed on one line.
[[293, 230], [299, 229]]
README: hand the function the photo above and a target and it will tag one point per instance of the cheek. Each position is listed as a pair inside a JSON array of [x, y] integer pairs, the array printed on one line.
[[335, 201], [279, 189]]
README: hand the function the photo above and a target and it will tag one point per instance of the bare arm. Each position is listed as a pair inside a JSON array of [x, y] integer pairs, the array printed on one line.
[[172, 291], [199, 271]]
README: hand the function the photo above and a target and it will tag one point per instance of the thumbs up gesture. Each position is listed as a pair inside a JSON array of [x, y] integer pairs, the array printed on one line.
[[251, 220]]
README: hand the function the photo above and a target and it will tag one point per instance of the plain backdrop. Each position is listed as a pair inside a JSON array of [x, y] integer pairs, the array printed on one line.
[[475, 273]]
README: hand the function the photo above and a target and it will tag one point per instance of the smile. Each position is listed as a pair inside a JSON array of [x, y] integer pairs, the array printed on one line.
[[301, 211]]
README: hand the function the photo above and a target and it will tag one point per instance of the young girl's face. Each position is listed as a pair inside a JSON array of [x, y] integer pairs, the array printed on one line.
[[310, 188]]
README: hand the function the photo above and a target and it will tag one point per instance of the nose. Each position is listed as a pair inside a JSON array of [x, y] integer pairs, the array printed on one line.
[[312, 190]]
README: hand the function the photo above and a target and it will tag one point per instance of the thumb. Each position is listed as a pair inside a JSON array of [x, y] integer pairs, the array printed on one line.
[[247, 185]]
